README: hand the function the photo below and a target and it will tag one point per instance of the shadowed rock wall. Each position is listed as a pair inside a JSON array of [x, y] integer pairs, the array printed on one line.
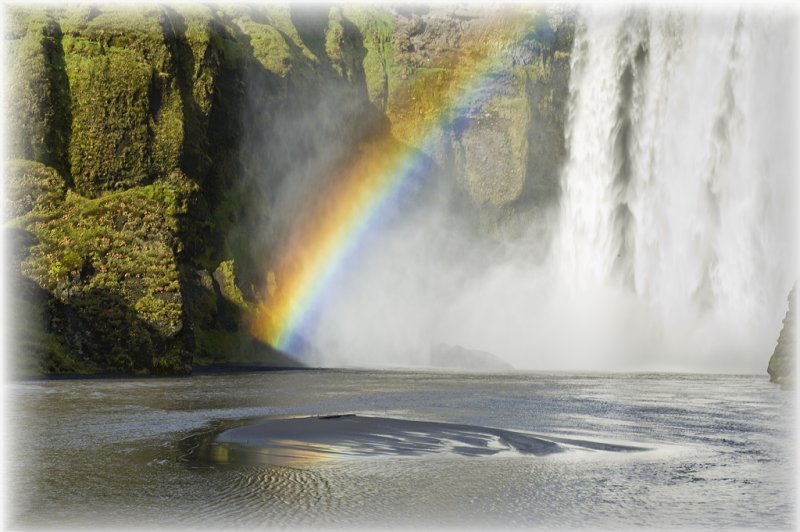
[[146, 145]]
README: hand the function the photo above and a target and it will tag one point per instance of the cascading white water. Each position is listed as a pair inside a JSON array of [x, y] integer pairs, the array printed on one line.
[[679, 194], [672, 245]]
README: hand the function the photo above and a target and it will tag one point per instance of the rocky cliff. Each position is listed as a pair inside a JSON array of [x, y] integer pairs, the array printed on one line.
[[781, 367], [146, 146]]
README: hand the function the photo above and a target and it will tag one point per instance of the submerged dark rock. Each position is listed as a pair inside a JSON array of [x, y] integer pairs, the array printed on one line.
[[781, 367], [304, 439], [456, 357]]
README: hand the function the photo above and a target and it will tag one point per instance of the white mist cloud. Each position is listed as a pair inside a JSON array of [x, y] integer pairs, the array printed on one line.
[[709, 247]]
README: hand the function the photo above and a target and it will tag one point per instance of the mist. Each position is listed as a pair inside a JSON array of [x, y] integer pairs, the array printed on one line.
[[669, 246]]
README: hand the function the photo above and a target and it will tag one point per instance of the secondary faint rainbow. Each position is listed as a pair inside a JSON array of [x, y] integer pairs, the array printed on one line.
[[328, 236]]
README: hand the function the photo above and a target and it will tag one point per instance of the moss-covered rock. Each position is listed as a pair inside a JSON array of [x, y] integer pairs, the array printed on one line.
[[225, 276], [32, 347], [38, 92], [783, 361], [376, 26], [31, 186], [148, 144], [110, 265], [496, 87], [126, 109]]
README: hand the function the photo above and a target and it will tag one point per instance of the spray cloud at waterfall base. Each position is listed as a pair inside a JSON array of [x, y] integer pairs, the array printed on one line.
[[671, 244]]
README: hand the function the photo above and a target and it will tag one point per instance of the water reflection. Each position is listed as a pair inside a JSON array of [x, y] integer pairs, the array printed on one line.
[[723, 455], [280, 452]]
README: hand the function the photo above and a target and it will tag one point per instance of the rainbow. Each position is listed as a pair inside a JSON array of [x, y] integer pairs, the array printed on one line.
[[322, 243]]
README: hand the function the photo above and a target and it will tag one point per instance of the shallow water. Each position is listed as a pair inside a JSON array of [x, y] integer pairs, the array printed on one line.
[[719, 452]]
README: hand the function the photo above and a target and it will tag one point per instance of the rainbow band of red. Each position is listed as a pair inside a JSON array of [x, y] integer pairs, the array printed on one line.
[[370, 185]]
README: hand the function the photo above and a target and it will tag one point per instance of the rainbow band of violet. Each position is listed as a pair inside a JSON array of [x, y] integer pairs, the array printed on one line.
[[367, 187]]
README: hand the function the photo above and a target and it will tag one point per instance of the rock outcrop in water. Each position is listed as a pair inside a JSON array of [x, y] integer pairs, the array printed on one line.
[[146, 145], [460, 358], [781, 367], [307, 439]]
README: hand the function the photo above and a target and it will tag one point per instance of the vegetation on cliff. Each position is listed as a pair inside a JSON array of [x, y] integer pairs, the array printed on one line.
[[146, 146], [783, 362]]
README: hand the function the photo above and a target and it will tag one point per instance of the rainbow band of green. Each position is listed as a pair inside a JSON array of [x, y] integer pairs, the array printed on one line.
[[346, 239]]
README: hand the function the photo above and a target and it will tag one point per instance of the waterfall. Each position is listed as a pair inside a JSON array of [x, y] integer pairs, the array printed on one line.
[[679, 192], [672, 245]]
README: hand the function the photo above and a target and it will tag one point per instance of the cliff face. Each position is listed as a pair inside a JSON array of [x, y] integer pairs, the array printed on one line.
[[147, 146], [781, 367], [505, 151]]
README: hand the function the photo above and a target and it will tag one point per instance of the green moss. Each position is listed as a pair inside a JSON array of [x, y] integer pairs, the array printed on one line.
[[275, 43], [334, 41], [38, 91], [225, 275], [127, 121], [168, 364], [31, 186], [144, 205], [110, 21], [380, 72], [270, 48], [344, 47], [166, 124], [280, 18], [136, 82], [419, 100], [197, 21], [55, 356], [217, 345], [123, 243], [110, 144], [110, 266]]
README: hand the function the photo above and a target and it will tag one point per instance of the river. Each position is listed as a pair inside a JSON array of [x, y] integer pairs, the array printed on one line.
[[716, 451]]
